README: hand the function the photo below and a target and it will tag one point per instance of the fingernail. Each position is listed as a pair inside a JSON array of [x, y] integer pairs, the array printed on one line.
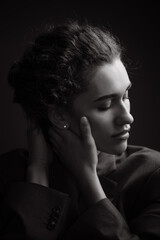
[[83, 120]]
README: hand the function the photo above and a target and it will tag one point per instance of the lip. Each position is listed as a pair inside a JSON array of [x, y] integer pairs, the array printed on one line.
[[122, 135]]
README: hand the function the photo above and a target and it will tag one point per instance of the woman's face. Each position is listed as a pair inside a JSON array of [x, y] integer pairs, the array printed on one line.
[[107, 107]]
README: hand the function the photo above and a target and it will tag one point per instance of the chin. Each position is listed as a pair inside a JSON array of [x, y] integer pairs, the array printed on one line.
[[116, 149]]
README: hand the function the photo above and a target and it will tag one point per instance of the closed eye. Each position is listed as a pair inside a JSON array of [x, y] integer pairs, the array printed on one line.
[[105, 105]]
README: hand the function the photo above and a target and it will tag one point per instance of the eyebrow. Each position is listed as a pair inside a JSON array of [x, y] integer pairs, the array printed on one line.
[[111, 95]]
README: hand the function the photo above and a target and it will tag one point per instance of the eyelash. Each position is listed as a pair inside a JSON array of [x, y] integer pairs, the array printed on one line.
[[104, 108]]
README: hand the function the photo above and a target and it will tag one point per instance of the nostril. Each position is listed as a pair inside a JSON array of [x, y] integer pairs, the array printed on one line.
[[127, 127]]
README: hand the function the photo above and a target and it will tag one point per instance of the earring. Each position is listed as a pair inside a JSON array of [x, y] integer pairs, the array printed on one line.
[[66, 126]]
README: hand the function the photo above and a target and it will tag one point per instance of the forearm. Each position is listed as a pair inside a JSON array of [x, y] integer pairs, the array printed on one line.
[[90, 187]]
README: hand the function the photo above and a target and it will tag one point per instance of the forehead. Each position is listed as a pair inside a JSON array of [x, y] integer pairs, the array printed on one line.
[[110, 78]]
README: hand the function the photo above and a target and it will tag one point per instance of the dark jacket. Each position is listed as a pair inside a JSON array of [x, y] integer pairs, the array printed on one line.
[[131, 210]]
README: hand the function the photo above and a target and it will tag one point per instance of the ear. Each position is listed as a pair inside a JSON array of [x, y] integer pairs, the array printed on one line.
[[58, 117]]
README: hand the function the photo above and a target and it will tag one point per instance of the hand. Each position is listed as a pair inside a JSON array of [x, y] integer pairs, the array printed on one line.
[[79, 155], [37, 171]]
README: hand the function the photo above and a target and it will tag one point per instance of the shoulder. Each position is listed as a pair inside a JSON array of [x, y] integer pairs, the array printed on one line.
[[138, 164], [13, 165], [145, 159], [145, 154], [145, 164]]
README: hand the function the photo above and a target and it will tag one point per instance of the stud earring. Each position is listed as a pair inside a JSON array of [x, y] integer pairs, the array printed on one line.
[[66, 126]]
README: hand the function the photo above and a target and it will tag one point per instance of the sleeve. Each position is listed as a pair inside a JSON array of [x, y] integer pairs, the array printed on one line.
[[101, 221], [31, 211], [147, 223], [104, 221]]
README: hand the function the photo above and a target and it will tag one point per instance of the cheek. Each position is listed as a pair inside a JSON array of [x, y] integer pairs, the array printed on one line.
[[75, 125], [74, 121], [101, 124], [102, 128]]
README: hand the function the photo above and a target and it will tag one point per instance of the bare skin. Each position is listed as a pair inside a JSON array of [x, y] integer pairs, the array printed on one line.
[[84, 149], [106, 108], [38, 162]]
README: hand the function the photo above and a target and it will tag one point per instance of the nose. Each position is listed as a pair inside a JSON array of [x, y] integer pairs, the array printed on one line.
[[124, 116]]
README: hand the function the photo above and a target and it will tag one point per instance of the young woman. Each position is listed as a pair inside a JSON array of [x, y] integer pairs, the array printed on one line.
[[81, 180]]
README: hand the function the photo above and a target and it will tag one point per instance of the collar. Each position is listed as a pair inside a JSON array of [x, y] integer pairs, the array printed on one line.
[[108, 163], [107, 166]]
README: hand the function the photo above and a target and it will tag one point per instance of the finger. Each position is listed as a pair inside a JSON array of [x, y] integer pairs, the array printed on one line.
[[65, 134], [55, 130], [85, 129], [54, 138], [57, 140], [54, 133], [33, 130], [31, 125], [54, 143], [56, 149]]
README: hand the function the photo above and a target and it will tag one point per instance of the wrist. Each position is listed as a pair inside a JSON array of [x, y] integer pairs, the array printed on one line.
[[90, 187], [37, 174]]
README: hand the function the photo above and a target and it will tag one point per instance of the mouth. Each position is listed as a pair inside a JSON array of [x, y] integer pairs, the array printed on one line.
[[124, 135]]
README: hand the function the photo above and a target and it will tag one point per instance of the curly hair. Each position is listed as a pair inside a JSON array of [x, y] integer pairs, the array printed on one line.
[[56, 67]]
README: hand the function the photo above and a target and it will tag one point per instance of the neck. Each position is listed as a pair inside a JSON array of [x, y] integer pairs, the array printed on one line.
[[106, 163]]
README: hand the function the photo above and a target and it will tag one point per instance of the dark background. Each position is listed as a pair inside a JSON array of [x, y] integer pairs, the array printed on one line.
[[136, 25]]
